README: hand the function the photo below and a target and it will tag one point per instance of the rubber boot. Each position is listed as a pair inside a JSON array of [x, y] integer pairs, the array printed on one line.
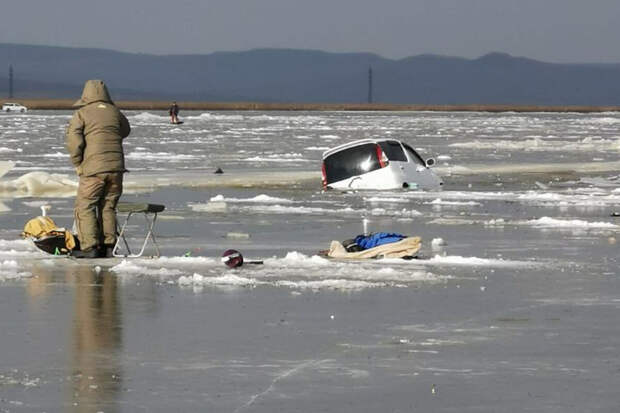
[[108, 251], [90, 253]]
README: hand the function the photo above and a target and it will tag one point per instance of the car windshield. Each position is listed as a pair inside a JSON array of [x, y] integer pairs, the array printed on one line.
[[393, 151], [415, 158], [350, 162]]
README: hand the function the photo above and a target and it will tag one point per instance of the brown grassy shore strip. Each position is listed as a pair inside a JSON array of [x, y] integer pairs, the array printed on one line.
[[65, 104]]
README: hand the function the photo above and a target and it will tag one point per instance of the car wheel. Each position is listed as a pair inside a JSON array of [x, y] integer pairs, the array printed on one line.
[[22, 111]]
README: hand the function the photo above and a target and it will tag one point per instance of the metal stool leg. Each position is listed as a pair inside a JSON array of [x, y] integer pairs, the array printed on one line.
[[121, 236], [149, 225], [150, 217], [149, 234]]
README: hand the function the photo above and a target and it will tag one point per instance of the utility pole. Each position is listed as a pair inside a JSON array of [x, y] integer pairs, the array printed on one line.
[[369, 84], [10, 81]]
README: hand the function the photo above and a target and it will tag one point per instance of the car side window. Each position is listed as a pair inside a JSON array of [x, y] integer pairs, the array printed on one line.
[[393, 151], [413, 155]]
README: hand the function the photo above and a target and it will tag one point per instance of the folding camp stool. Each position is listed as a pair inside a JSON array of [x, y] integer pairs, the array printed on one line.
[[150, 212]]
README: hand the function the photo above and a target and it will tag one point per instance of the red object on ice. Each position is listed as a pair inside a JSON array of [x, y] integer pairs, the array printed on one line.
[[232, 258]]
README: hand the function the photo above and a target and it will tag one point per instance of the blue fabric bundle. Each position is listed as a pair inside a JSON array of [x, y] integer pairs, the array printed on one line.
[[376, 239]]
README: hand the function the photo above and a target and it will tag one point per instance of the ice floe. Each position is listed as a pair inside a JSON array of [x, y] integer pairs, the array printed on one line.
[[549, 222]]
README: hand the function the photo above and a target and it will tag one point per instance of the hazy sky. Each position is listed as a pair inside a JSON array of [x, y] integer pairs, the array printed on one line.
[[550, 30]]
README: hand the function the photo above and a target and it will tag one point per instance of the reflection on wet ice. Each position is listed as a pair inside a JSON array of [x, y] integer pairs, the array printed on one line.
[[94, 368]]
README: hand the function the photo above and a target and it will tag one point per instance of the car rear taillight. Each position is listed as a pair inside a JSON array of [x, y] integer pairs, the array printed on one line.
[[324, 179], [383, 159]]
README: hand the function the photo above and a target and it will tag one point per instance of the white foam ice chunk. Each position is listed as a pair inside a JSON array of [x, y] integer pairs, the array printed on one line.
[[238, 235], [461, 195], [162, 262], [183, 261], [18, 248], [128, 267], [541, 185], [211, 207], [379, 199], [297, 270], [348, 211], [605, 120], [404, 213], [495, 222], [574, 223], [39, 184], [297, 259], [458, 260], [162, 268], [10, 270], [438, 243], [14, 276], [233, 280], [541, 196], [8, 264], [285, 209], [439, 201], [444, 157], [262, 198], [55, 155], [224, 280], [19, 244]]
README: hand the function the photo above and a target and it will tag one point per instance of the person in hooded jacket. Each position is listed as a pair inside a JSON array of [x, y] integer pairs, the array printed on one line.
[[174, 113], [94, 139]]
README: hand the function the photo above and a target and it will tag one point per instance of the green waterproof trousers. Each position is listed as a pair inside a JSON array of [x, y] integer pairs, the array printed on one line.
[[95, 205]]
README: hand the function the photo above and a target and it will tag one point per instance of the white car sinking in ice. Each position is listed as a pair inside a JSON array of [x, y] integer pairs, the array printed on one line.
[[13, 107], [377, 164]]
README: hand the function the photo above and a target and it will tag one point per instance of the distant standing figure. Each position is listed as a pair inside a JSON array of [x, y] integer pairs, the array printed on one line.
[[174, 113], [94, 140]]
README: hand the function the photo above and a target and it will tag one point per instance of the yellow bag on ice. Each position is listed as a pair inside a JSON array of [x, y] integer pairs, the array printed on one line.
[[47, 236]]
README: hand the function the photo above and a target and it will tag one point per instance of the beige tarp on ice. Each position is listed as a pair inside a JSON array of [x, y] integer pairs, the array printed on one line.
[[407, 247]]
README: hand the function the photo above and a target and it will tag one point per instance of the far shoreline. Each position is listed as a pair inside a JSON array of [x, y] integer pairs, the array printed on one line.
[[66, 104]]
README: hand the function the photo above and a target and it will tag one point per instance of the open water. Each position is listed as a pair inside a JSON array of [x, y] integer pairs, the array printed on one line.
[[512, 305]]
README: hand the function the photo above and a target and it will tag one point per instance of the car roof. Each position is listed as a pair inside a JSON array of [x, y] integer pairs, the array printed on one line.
[[356, 143]]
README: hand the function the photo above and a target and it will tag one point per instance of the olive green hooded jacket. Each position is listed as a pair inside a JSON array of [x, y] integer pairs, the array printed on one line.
[[95, 134]]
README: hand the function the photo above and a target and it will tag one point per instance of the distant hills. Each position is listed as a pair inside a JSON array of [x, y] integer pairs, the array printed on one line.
[[307, 76]]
